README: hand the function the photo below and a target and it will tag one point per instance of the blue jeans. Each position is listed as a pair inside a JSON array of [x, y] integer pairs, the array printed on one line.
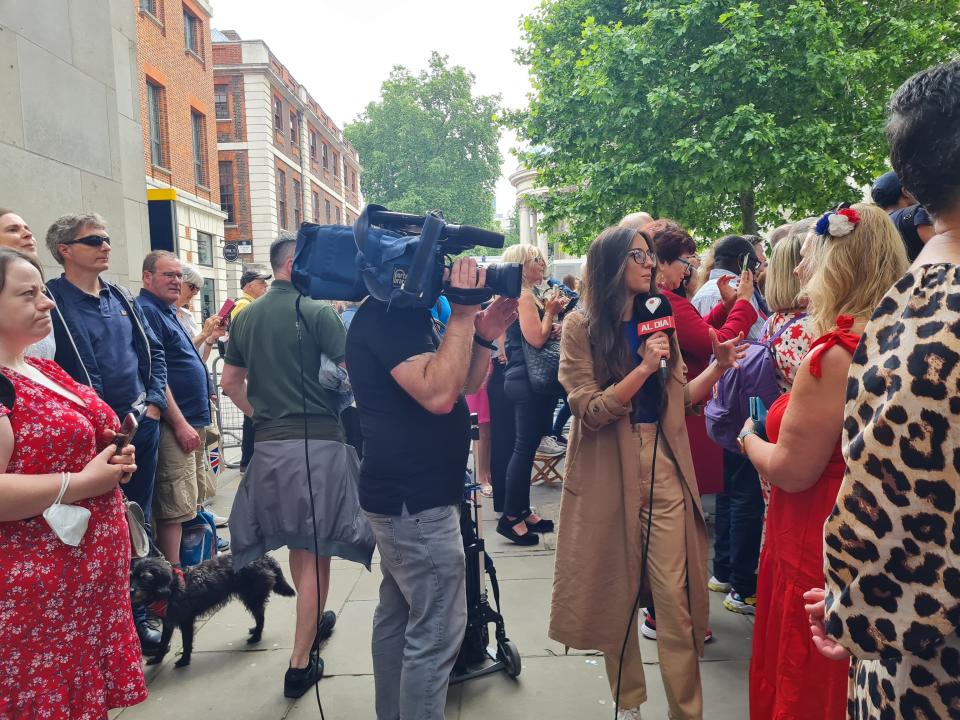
[[738, 525], [419, 623], [563, 414], [140, 488]]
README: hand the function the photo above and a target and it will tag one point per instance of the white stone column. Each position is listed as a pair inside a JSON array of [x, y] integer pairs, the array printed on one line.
[[525, 238]]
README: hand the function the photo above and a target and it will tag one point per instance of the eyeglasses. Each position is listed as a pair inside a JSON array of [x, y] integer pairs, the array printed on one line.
[[641, 256], [193, 288], [94, 241], [170, 275], [687, 265]]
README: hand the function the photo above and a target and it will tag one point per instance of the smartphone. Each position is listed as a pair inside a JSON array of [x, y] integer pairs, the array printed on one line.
[[745, 265], [228, 306], [128, 429], [758, 412]]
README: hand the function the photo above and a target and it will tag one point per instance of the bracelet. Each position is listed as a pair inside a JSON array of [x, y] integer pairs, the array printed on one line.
[[489, 345]]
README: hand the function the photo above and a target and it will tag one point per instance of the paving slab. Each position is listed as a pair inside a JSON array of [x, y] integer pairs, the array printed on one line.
[[351, 697]]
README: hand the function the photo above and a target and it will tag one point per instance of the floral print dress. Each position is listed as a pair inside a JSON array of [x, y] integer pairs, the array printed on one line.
[[68, 646]]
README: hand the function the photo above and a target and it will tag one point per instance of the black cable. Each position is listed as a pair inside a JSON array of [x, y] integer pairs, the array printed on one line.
[[313, 509]]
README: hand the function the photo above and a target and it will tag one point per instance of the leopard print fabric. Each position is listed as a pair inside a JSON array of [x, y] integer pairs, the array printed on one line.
[[892, 543]]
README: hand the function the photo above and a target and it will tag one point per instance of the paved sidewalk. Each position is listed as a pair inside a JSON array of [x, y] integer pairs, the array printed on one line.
[[229, 679]]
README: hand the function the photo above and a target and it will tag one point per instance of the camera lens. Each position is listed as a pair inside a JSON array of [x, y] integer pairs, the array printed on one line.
[[505, 279]]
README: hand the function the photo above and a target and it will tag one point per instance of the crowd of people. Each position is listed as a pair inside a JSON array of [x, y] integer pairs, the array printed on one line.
[[836, 514]]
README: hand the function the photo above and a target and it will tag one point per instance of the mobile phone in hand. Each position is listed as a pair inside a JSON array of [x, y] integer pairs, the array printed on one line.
[[758, 412], [745, 265], [128, 429], [225, 311]]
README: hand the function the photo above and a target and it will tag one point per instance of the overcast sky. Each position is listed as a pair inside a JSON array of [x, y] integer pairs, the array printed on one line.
[[342, 51]]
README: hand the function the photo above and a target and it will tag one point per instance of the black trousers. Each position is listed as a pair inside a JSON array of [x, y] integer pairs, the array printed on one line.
[[533, 415], [246, 442], [503, 434]]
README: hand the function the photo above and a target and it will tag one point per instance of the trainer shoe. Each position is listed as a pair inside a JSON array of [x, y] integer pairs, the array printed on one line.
[[220, 521], [222, 544], [735, 602], [718, 586], [298, 680], [550, 447], [631, 714], [325, 629], [648, 628]]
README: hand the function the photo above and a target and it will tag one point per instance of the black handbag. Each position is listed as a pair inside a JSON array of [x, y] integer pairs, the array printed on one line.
[[543, 367]]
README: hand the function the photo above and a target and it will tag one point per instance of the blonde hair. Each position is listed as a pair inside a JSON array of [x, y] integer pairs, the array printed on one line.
[[783, 286], [523, 254], [851, 274]]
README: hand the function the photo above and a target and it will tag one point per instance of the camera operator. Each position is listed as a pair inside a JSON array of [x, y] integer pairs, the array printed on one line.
[[409, 389]]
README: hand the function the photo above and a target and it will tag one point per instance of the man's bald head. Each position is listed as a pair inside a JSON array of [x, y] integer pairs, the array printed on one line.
[[636, 220]]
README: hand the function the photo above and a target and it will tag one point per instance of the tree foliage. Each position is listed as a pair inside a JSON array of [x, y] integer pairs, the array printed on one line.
[[430, 143], [721, 114]]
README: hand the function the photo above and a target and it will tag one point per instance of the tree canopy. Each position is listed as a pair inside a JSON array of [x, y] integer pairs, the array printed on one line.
[[429, 143], [723, 115]]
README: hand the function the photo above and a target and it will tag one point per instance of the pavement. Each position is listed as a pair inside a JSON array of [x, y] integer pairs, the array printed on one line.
[[229, 679]]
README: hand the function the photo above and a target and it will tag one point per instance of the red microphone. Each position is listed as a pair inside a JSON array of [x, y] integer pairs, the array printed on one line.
[[655, 315]]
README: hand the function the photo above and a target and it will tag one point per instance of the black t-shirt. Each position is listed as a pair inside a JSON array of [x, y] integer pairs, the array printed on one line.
[[907, 220], [411, 457]]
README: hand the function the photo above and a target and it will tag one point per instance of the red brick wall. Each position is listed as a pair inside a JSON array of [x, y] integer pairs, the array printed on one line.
[[187, 82], [242, 229], [234, 129]]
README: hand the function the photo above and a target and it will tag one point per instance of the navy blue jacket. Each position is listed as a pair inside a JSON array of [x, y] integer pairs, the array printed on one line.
[[75, 351]]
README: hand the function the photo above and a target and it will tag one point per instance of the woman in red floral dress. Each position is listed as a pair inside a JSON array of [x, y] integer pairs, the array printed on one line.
[[68, 647]]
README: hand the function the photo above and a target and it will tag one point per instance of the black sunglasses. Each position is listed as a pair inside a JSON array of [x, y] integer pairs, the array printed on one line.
[[89, 240]]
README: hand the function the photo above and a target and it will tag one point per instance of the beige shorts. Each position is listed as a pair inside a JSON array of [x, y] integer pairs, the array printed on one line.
[[180, 477]]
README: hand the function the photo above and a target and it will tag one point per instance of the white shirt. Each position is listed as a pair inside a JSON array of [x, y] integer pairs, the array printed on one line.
[[708, 297]]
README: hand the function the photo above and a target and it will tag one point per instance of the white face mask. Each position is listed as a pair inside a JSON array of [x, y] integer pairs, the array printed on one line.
[[69, 522]]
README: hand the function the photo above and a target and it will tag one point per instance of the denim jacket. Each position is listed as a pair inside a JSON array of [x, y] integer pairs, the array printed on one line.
[[75, 350]]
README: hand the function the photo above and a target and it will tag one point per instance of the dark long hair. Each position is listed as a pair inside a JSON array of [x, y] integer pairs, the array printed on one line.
[[605, 295]]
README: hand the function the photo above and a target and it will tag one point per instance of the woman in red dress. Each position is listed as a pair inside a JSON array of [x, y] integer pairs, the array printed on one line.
[[68, 647], [856, 255]]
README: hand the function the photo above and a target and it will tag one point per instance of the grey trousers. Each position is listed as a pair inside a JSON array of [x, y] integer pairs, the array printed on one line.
[[419, 624]]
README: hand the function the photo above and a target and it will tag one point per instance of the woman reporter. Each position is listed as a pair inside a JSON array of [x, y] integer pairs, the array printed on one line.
[[611, 376], [68, 646], [856, 254], [533, 411]]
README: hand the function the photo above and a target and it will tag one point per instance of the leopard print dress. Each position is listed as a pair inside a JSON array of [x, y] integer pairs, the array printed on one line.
[[892, 543]]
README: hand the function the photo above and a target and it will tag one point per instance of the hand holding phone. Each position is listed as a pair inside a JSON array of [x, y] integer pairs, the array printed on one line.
[[227, 308], [758, 413], [127, 430]]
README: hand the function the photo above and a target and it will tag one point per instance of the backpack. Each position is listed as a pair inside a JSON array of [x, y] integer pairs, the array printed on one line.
[[728, 409], [199, 541]]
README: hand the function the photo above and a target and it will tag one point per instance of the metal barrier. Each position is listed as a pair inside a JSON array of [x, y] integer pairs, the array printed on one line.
[[229, 416]]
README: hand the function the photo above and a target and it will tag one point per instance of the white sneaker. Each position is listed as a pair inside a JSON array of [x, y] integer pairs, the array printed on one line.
[[631, 714], [717, 586], [550, 447]]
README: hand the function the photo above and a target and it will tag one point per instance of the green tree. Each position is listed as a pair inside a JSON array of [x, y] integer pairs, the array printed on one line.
[[430, 144], [718, 113], [512, 236]]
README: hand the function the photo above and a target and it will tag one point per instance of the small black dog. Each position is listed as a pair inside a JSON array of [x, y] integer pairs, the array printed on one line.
[[181, 598]]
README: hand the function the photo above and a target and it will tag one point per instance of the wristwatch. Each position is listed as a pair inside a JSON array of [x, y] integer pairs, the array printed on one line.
[[742, 436]]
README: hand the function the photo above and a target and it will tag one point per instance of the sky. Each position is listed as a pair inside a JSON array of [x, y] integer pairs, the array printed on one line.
[[343, 51]]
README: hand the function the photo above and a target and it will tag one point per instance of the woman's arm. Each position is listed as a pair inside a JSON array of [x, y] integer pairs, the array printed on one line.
[[810, 428], [535, 330], [693, 332]]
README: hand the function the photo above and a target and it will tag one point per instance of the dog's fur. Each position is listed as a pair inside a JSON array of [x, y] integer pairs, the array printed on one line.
[[206, 588]]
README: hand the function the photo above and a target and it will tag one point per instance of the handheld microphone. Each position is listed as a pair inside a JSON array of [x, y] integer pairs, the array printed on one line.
[[655, 315]]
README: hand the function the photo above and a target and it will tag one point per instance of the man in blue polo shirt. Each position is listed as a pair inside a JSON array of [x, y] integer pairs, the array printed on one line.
[[181, 460]]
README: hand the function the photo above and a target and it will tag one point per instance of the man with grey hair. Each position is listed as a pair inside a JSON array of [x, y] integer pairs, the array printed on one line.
[[181, 457], [272, 369], [104, 341], [636, 220]]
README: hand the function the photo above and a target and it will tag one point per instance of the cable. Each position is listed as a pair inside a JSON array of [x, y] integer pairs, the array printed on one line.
[[646, 549], [313, 508]]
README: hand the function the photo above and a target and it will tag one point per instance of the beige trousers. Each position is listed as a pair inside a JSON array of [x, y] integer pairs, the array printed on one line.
[[667, 578]]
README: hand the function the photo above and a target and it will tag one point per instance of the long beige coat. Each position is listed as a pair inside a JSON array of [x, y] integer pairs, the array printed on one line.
[[598, 557]]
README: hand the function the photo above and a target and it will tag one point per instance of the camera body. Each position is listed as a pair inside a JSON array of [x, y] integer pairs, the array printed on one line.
[[395, 257]]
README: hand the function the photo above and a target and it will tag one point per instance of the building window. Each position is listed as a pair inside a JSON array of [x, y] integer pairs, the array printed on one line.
[[338, 215], [336, 165], [313, 145], [155, 110], [208, 298], [221, 102], [324, 156], [297, 203], [316, 207], [226, 191], [278, 114], [149, 6], [353, 181], [192, 32], [199, 148], [294, 133], [282, 198], [205, 248], [326, 208]]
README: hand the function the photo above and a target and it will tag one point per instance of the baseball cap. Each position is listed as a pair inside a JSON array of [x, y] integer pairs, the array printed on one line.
[[249, 276], [886, 189]]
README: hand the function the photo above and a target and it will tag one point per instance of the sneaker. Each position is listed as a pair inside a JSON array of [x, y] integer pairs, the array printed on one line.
[[708, 635], [631, 714], [220, 520], [648, 628], [298, 680], [550, 447], [325, 629], [560, 440], [222, 544], [718, 586], [735, 602]]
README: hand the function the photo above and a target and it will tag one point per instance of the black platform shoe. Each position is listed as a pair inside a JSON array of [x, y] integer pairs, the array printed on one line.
[[505, 528]]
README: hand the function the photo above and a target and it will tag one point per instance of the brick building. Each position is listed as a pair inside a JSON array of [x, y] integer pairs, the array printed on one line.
[[282, 160], [175, 63]]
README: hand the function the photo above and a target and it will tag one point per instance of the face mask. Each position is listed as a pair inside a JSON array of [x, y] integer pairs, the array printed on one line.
[[69, 522]]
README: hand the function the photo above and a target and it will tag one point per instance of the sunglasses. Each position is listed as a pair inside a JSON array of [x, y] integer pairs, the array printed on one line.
[[94, 241], [641, 256]]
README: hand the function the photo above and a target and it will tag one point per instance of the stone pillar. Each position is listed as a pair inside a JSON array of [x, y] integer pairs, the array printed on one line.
[[525, 238]]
